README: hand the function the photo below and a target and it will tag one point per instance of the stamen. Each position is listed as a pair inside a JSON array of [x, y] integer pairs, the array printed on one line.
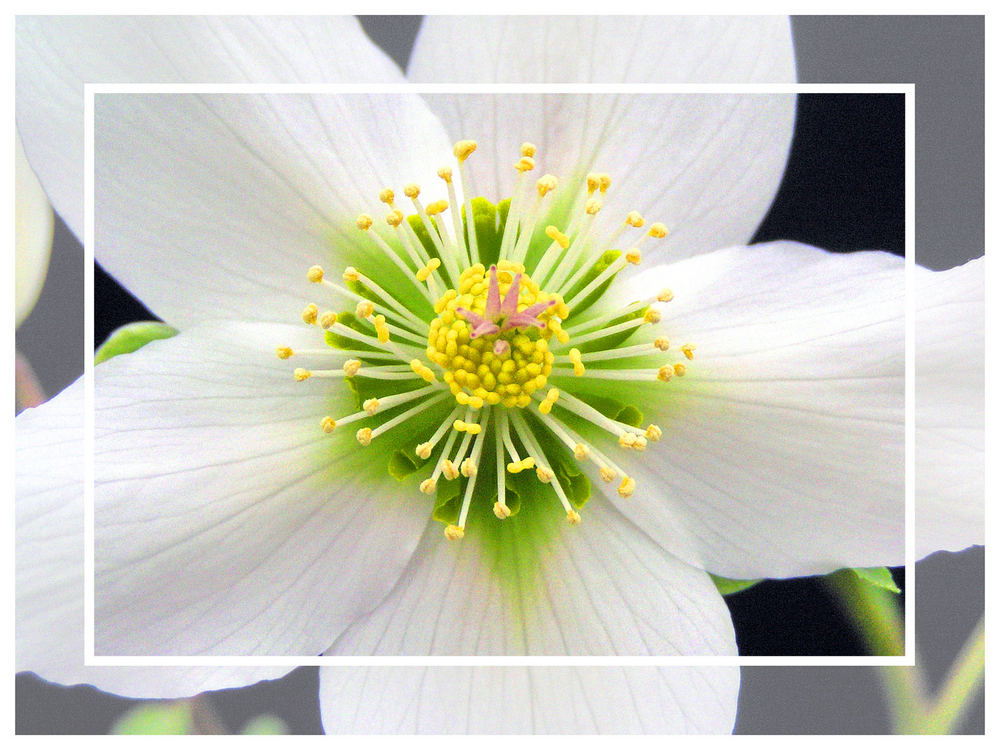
[[365, 224], [463, 149]]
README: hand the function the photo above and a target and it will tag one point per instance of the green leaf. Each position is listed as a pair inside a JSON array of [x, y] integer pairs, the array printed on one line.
[[156, 717], [878, 577], [132, 337], [489, 230], [265, 724], [727, 586], [448, 502], [402, 465]]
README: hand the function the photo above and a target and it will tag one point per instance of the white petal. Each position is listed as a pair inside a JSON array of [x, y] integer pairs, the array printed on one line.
[[49, 561], [231, 198], [707, 166], [56, 55], [782, 449], [529, 700], [950, 417], [533, 584], [32, 235], [226, 521]]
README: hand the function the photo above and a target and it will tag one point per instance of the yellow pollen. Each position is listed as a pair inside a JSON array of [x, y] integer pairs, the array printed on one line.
[[301, 374], [627, 487], [351, 367], [577, 359], [605, 182], [546, 184], [364, 309], [528, 149], [284, 352], [437, 207], [634, 219], [525, 164], [665, 296], [654, 433], [501, 511], [679, 370], [463, 149], [351, 274], [395, 218], [327, 319], [315, 274], [662, 344], [633, 256], [608, 474], [427, 270], [364, 435], [449, 470], [657, 230], [593, 206], [665, 373], [544, 475], [371, 406], [428, 486], [573, 518], [445, 174], [309, 313], [329, 424], [652, 316], [364, 222], [453, 533], [424, 450], [422, 370], [581, 452], [469, 468], [387, 196], [688, 350], [381, 329], [556, 236], [412, 190], [545, 407]]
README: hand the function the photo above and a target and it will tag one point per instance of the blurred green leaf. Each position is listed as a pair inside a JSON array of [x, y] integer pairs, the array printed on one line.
[[879, 577], [156, 717], [132, 337], [265, 724], [727, 586]]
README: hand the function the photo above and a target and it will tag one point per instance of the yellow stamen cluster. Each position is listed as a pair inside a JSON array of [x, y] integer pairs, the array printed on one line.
[[473, 370]]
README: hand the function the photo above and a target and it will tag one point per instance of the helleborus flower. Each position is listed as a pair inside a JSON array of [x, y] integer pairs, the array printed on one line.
[[249, 504]]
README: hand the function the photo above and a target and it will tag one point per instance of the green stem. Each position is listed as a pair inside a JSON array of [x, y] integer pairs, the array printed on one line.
[[963, 682]]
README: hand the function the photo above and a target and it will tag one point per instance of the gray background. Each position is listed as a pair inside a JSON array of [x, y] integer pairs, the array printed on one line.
[[944, 57]]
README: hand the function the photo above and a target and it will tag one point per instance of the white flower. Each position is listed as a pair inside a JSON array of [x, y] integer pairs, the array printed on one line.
[[32, 234], [228, 522]]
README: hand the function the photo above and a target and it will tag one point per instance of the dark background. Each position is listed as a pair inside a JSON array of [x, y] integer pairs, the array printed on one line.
[[843, 190]]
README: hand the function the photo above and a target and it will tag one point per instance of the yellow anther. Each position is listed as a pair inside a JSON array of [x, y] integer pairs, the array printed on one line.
[[364, 435], [626, 440], [665, 295], [527, 149], [679, 370], [593, 206], [556, 236], [428, 486], [662, 344], [562, 336], [605, 182], [652, 316], [436, 207], [364, 309], [351, 274], [329, 424], [525, 164], [514, 467], [665, 373], [627, 487], [424, 450], [284, 352], [688, 350], [351, 367], [552, 395], [593, 183], [387, 196], [544, 475], [449, 469], [654, 433], [573, 517], [381, 329], [546, 184], [633, 256], [528, 463], [463, 149], [445, 174], [427, 270], [469, 468], [577, 359], [364, 222], [657, 230], [411, 190], [453, 533], [581, 452], [459, 425], [301, 374], [371, 406], [476, 402], [608, 474], [309, 313], [473, 429], [634, 219], [315, 274], [394, 218], [501, 511], [640, 443], [327, 320]]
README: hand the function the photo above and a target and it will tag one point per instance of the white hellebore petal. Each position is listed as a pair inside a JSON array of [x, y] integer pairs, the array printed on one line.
[[523, 700], [33, 224]]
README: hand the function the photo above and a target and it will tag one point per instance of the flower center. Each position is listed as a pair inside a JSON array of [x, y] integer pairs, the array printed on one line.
[[495, 348]]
